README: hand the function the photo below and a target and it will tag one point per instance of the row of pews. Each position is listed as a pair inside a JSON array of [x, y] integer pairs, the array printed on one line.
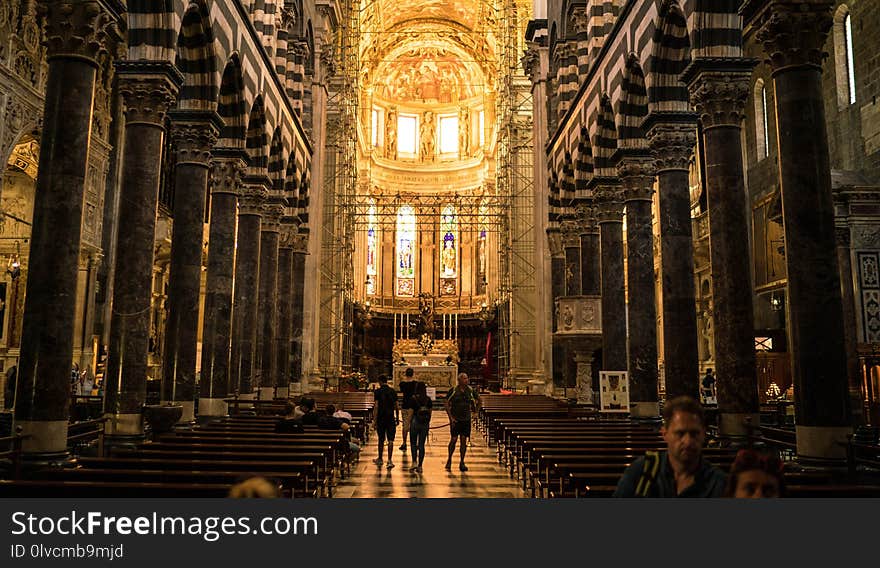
[[556, 451], [205, 461]]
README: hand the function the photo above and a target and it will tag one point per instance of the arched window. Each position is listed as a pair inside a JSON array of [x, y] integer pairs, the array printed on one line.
[[844, 60], [762, 127], [406, 250], [448, 251], [372, 249]]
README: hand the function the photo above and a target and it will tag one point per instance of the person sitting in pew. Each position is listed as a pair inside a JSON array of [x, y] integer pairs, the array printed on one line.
[[329, 421], [289, 424], [311, 415], [755, 475], [680, 471], [342, 414]]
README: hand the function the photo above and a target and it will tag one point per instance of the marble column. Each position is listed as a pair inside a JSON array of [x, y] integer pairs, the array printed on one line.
[[636, 171], [300, 251], [591, 282], [194, 134], [571, 241], [794, 35], [850, 327], [148, 90], [227, 167], [609, 210], [76, 34], [557, 290], [267, 358], [672, 137], [245, 301], [285, 305], [719, 89]]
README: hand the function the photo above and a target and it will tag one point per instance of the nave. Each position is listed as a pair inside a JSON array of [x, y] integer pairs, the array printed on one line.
[[485, 476]]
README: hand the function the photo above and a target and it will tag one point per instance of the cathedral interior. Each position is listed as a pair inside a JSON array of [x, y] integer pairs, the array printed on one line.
[[212, 203]]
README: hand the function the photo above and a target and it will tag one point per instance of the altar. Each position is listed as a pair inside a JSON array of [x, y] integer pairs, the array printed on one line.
[[442, 377], [436, 366]]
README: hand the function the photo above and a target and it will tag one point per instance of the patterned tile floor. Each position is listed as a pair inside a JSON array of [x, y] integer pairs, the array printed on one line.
[[484, 478]]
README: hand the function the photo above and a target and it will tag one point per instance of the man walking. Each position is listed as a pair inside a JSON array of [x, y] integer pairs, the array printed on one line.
[[408, 389], [680, 471], [459, 401], [387, 417]]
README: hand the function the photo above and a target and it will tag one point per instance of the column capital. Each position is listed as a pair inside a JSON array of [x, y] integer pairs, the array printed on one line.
[[149, 90], [80, 28], [571, 236], [637, 173], [286, 233], [194, 134], [531, 64], [793, 33], [842, 236], [672, 139], [271, 217], [300, 243], [554, 243], [609, 202], [719, 89], [586, 215], [581, 19], [252, 200], [228, 165]]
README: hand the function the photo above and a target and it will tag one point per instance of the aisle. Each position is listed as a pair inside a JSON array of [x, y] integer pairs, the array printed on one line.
[[484, 478]]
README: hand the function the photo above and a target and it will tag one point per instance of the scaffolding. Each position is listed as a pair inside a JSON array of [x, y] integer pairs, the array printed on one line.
[[515, 168], [340, 181], [500, 203]]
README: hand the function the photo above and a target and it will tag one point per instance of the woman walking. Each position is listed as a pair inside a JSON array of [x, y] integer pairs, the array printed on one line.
[[418, 428]]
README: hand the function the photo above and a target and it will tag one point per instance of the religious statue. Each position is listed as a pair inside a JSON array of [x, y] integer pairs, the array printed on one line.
[[391, 134], [448, 258], [426, 136], [464, 131], [426, 312]]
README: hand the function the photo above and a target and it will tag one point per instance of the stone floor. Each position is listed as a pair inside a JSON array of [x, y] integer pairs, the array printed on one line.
[[484, 478]]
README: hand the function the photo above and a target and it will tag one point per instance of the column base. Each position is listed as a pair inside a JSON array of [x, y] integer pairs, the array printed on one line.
[[736, 424], [119, 426], [295, 389], [247, 396], [822, 443], [642, 410], [282, 392], [46, 440], [267, 393], [213, 408], [536, 386]]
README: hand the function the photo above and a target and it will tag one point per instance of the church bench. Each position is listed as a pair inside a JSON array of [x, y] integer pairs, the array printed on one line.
[[524, 455], [320, 454], [108, 489], [309, 469], [292, 482]]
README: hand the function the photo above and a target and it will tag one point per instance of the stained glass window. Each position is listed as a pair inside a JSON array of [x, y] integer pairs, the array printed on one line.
[[372, 250], [448, 251], [406, 246]]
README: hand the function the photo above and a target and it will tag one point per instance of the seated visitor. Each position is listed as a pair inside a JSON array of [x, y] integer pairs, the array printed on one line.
[[755, 475], [680, 471], [289, 424], [342, 414], [311, 416]]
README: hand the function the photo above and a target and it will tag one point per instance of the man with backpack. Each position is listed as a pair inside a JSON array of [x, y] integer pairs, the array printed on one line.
[[680, 471], [459, 401]]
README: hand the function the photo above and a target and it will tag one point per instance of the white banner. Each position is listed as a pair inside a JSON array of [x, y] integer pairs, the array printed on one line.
[[613, 391]]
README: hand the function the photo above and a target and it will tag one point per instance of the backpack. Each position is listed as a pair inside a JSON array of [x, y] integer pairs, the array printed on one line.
[[649, 474]]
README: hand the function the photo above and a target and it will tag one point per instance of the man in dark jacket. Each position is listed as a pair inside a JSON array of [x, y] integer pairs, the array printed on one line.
[[680, 471]]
